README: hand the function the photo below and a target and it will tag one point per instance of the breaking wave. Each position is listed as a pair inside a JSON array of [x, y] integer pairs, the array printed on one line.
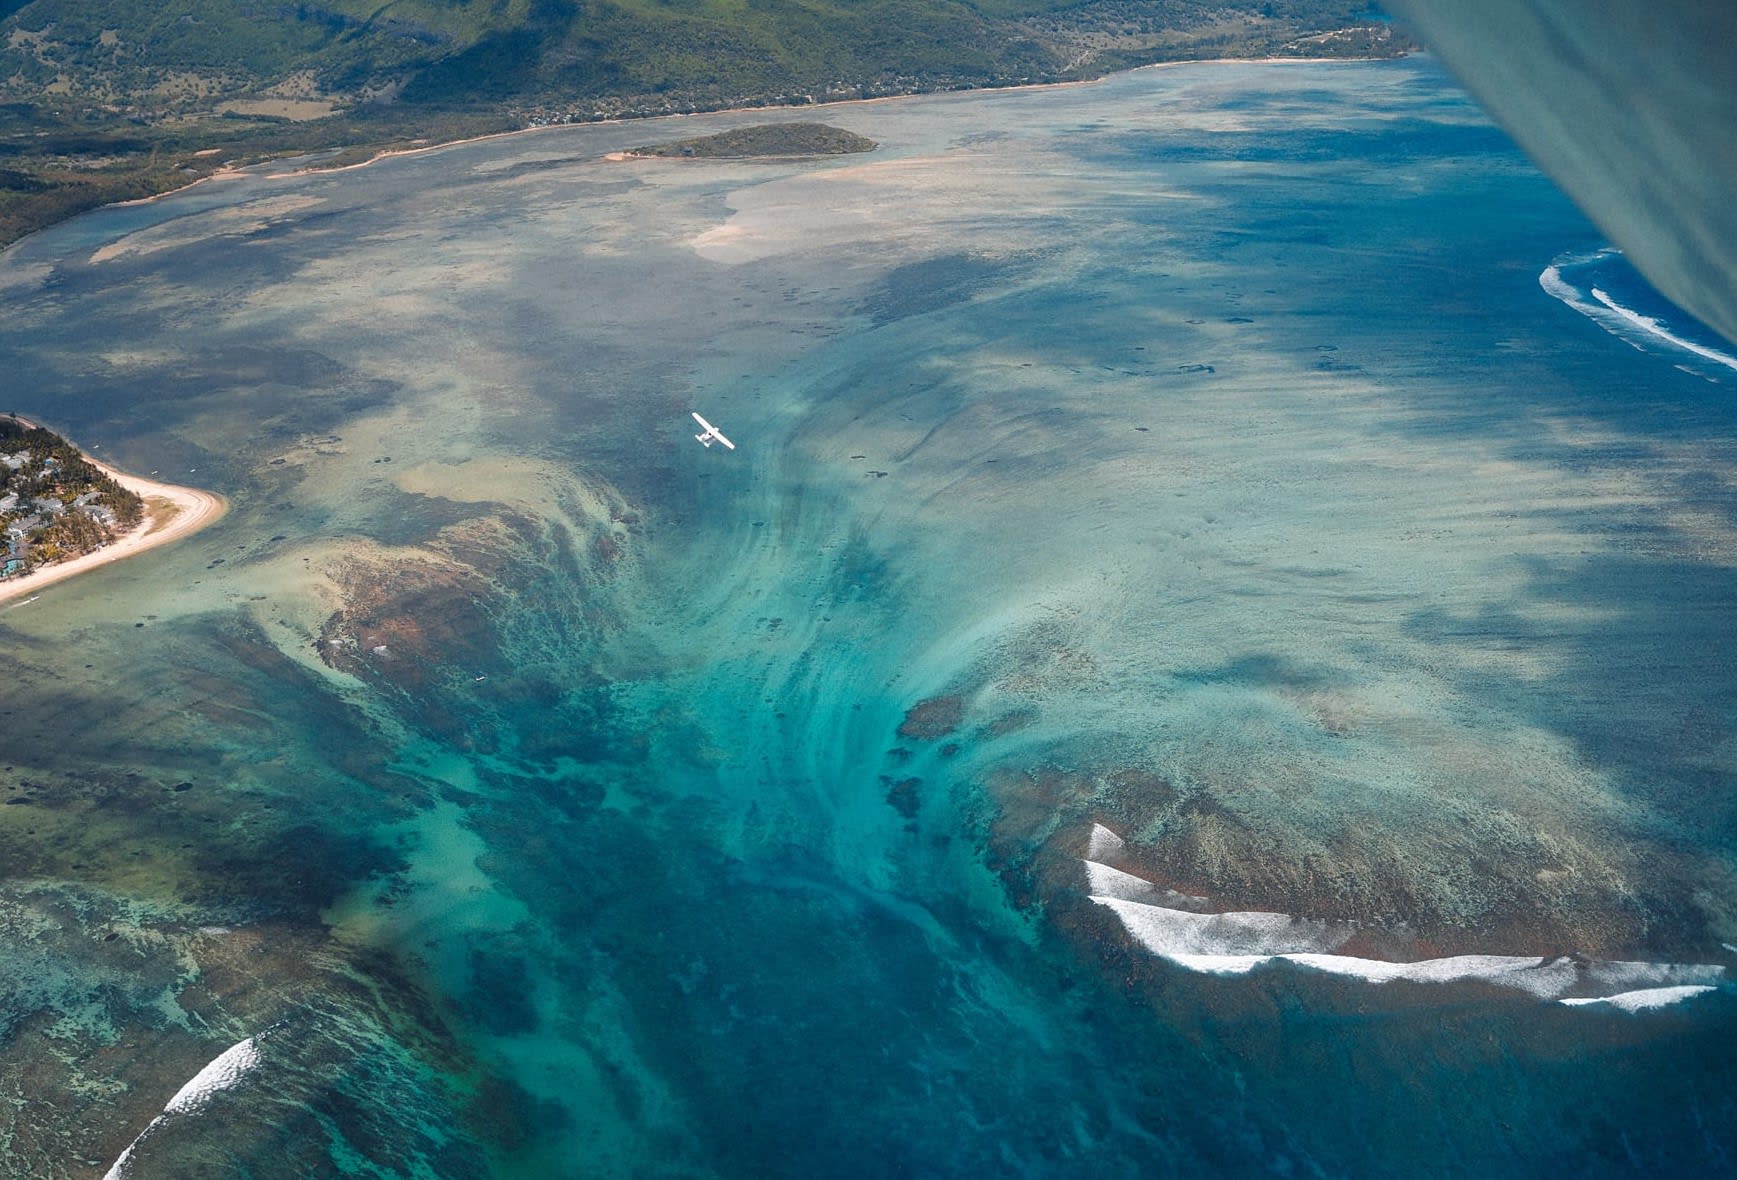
[[1645, 998], [1239, 942], [221, 1073], [1603, 287]]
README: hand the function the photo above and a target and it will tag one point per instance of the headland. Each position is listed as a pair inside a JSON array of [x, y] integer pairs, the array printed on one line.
[[170, 513]]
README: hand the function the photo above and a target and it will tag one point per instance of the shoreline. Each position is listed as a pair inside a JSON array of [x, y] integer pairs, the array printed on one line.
[[235, 173], [171, 512], [627, 154], [220, 174], [1066, 83], [394, 153]]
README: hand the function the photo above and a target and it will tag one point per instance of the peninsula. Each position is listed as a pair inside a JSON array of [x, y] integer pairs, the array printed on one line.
[[62, 512]]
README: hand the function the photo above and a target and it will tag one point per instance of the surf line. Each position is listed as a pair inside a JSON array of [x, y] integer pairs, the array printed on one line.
[[1181, 928], [1612, 316], [221, 1073], [1657, 328]]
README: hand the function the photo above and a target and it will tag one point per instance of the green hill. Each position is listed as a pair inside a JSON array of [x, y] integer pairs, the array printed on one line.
[[103, 99]]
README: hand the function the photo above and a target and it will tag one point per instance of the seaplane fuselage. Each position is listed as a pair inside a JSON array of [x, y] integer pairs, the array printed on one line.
[[712, 434]]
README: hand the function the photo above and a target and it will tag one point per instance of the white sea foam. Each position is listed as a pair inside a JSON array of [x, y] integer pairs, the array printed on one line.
[[1645, 998], [1105, 844], [1544, 978], [1237, 943], [1111, 882], [1621, 322], [1103, 881], [1656, 327], [1559, 288], [1170, 933], [226, 1069], [1613, 976], [222, 1072]]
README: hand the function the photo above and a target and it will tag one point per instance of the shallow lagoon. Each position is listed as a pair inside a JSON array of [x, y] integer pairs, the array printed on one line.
[[544, 792]]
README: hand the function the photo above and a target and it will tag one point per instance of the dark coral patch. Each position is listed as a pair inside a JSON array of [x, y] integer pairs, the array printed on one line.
[[934, 718]]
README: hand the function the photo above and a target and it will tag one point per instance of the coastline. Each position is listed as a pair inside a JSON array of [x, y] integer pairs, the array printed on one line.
[[441, 145], [617, 157], [237, 172], [220, 174], [171, 512]]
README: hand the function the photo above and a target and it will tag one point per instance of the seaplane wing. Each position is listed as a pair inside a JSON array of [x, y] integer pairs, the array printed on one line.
[[712, 434]]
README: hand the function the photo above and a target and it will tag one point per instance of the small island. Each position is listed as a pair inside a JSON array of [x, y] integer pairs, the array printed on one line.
[[767, 141], [62, 512]]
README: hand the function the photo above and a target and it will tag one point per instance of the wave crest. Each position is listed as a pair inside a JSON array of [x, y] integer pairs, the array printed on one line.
[[1239, 942], [1603, 287]]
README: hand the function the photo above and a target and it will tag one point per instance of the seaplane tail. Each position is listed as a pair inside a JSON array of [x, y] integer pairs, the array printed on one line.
[[712, 434]]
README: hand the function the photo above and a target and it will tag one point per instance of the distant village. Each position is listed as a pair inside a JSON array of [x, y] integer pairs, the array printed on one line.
[[54, 504]]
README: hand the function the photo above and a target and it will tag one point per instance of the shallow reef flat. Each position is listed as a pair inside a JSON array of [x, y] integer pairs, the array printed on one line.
[[1169, 524]]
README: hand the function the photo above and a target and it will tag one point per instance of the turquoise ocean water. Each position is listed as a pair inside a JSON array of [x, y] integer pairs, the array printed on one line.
[[509, 786]]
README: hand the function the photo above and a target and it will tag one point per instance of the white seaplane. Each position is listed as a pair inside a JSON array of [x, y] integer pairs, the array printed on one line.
[[712, 434]]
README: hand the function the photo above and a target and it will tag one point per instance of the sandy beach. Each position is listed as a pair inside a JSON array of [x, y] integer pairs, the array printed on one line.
[[171, 512]]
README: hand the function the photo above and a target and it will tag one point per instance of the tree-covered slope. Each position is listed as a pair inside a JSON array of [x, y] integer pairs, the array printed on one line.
[[148, 56]]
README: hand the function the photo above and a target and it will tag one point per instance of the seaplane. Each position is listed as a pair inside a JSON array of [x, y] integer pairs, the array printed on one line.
[[712, 434]]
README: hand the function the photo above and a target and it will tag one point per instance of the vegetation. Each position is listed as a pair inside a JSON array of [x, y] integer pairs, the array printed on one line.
[[766, 140], [104, 100], [54, 504]]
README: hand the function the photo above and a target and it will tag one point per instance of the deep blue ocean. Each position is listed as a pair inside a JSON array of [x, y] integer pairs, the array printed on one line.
[[1198, 664]]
